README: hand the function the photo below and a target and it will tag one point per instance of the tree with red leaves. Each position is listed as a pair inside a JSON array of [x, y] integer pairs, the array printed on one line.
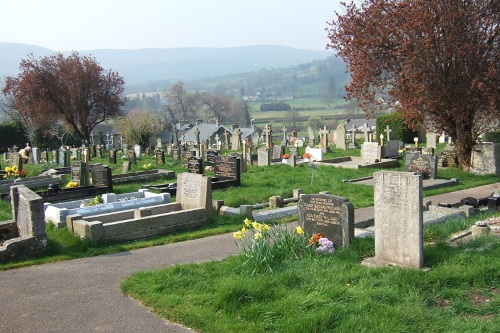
[[74, 90], [435, 61]]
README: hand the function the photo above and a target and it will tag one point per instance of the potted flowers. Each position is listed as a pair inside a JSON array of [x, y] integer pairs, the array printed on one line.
[[285, 159], [307, 157]]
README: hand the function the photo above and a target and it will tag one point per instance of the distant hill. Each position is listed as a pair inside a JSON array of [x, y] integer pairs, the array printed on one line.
[[139, 67]]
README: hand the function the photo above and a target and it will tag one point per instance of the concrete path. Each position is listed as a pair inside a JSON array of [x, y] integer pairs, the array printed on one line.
[[83, 295]]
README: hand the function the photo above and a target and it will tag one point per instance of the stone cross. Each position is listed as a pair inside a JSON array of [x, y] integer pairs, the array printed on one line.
[[284, 133], [366, 130], [176, 136], [353, 136], [227, 140], [217, 139], [268, 132], [388, 131], [324, 133]]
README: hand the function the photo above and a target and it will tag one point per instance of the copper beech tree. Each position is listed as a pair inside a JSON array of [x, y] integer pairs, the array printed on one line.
[[75, 90], [435, 61]]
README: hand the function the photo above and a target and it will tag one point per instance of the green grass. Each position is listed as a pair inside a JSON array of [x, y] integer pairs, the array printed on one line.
[[258, 184], [333, 293]]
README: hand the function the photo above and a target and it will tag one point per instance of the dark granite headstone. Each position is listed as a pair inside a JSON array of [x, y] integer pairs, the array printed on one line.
[[160, 156], [420, 163], [211, 153], [329, 215], [227, 167], [77, 173], [195, 165], [131, 157], [112, 156], [101, 177]]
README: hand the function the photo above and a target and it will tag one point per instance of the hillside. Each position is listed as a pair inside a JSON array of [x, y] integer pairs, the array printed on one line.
[[139, 67]]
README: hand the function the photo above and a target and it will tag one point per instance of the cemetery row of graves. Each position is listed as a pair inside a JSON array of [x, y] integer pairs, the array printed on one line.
[[73, 175]]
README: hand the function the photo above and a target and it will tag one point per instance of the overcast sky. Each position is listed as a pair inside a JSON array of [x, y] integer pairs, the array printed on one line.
[[65, 25]]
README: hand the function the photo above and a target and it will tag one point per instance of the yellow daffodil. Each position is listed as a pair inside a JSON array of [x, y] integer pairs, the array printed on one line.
[[299, 230], [238, 235], [266, 227], [247, 222], [243, 230], [257, 235], [255, 225]]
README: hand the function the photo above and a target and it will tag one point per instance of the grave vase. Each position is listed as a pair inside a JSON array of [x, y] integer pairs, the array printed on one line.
[[285, 161]]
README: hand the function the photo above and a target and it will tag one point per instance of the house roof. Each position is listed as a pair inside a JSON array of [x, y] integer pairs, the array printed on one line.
[[207, 130]]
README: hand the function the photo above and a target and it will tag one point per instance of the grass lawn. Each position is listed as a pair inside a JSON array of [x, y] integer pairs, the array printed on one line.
[[334, 292], [258, 184]]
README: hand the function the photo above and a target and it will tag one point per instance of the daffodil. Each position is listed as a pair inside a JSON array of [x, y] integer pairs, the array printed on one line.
[[243, 230], [266, 227], [258, 235], [238, 235], [247, 222], [299, 230]]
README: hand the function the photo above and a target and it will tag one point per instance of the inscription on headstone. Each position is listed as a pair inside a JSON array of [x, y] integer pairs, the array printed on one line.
[[420, 163], [126, 167], [101, 176], [77, 173], [263, 156], [112, 156], [195, 165], [160, 156]]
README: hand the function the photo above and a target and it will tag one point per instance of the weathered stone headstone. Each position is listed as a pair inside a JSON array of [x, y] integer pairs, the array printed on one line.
[[427, 151], [278, 152], [268, 132], [412, 150], [194, 191], [293, 151], [263, 157], [486, 159], [64, 158], [158, 143], [236, 140], [112, 156], [16, 161], [425, 164], [311, 138], [132, 157], [340, 144], [324, 139], [176, 153], [55, 156], [160, 156], [431, 139], [353, 143], [36, 155], [43, 156], [392, 148], [329, 215], [398, 220], [255, 138], [371, 151], [138, 151], [195, 165], [92, 151], [126, 167]]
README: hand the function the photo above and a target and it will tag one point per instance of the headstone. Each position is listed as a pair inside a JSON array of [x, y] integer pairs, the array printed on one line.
[[388, 132], [353, 143], [427, 151], [236, 140], [195, 165], [329, 215], [412, 150], [324, 139], [112, 156], [132, 157], [311, 138], [366, 131], [340, 144], [16, 161], [255, 138], [158, 143], [160, 156], [284, 140], [92, 151], [278, 152], [226, 136], [419, 163], [227, 168], [138, 151], [268, 132], [392, 148], [55, 156], [43, 157], [101, 177], [176, 153], [211, 153], [36, 155], [77, 173], [293, 151], [194, 191], [485, 159], [263, 157], [431, 139], [371, 151], [64, 158], [398, 220], [126, 167]]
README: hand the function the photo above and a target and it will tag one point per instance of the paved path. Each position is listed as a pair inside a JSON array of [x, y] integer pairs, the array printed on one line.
[[83, 295]]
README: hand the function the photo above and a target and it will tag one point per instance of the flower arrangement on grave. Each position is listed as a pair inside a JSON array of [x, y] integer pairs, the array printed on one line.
[[71, 184], [146, 166], [307, 155], [72, 158], [285, 156], [321, 243], [13, 173], [412, 167], [402, 151], [94, 201], [209, 168]]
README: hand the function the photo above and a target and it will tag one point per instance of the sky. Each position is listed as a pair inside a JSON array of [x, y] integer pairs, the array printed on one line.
[[75, 25]]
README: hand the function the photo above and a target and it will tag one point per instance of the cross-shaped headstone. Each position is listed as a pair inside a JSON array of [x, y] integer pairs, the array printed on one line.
[[353, 136], [268, 132], [284, 132], [324, 133], [217, 139], [227, 140], [388, 131], [366, 130]]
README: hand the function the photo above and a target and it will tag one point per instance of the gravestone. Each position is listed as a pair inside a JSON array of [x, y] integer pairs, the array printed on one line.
[[55, 156], [132, 157], [64, 158], [427, 151], [255, 138], [353, 144], [194, 191], [263, 157], [160, 156], [485, 159], [330, 215], [195, 165], [112, 156], [293, 151], [422, 164], [36, 155], [431, 139], [324, 139], [398, 220], [158, 144], [228, 168], [392, 148], [138, 151], [340, 144], [311, 138], [236, 140], [43, 157], [278, 152], [92, 151], [412, 150], [126, 167], [101, 177], [371, 151], [77, 173], [268, 132], [16, 161], [176, 153], [211, 153]]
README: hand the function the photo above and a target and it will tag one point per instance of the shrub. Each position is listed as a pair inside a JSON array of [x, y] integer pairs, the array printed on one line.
[[492, 136], [400, 130]]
